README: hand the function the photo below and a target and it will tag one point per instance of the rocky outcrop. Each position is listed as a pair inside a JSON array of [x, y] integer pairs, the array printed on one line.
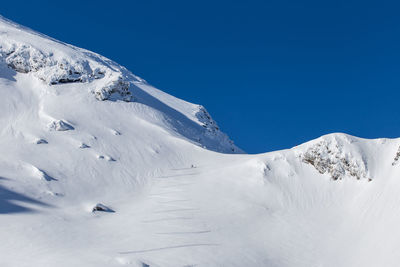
[[396, 158], [118, 88], [212, 130], [204, 117], [328, 156], [101, 207], [46, 67], [54, 70]]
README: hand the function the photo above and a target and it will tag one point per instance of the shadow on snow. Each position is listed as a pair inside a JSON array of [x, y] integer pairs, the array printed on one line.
[[13, 202]]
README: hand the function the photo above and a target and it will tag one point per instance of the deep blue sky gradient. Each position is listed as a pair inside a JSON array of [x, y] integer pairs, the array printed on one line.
[[273, 74]]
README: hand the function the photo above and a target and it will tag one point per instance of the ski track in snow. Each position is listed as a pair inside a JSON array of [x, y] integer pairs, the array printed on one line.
[[173, 190]]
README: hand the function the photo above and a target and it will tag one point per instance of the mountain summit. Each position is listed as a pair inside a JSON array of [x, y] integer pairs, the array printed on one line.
[[99, 168], [55, 63]]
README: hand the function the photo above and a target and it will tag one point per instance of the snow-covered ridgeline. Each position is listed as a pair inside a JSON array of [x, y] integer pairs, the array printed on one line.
[[52, 70], [54, 63]]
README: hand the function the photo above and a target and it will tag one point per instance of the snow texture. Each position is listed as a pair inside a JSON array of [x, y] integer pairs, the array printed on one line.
[[56, 63], [183, 193]]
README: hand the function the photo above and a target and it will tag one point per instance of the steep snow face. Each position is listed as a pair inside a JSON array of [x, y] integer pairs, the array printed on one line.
[[96, 183], [55, 63]]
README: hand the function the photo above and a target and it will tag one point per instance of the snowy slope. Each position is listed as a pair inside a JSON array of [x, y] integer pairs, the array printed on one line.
[[55, 63], [79, 130]]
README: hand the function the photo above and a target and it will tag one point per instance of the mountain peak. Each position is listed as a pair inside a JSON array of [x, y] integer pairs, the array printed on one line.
[[55, 63]]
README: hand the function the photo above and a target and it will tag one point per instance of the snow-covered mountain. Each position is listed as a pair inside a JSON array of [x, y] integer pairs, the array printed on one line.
[[99, 168]]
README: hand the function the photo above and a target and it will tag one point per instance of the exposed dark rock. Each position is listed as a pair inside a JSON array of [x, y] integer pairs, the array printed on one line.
[[396, 158], [41, 141], [101, 207], [83, 145]]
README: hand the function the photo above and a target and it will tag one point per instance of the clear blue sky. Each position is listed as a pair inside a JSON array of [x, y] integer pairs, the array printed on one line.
[[273, 74]]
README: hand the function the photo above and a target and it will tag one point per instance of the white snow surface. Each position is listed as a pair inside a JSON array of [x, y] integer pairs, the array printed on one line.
[[174, 191]]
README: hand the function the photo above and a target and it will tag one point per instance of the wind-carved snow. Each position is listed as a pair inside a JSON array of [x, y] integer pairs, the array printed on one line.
[[328, 156], [39, 173]]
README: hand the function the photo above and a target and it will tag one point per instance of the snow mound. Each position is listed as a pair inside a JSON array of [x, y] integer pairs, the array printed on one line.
[[60, 125], [39, 174]]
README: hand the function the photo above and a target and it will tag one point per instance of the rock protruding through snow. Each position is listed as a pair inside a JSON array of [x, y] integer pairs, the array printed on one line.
[[102, 207], [212, 130], [60, 125], [117, 88], [24, 58], [83, 145], [328, 156], [396, 158], [108, 158], [41, 141], [55, 63]]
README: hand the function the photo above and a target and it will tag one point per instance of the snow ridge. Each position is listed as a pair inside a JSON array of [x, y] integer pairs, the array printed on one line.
[[54, 62], [44, 66], [57, 63]]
